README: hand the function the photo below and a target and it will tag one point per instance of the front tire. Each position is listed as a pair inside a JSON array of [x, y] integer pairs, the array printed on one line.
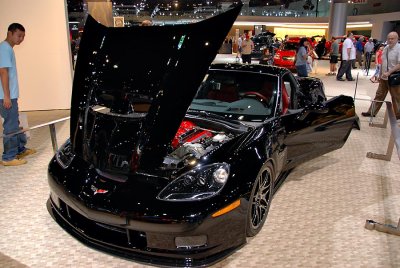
[[260, 200]]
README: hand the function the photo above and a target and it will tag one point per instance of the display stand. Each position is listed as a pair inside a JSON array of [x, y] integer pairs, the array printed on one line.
[[385, 120], [389, 150], [52, 128], [389, 114], [386, 228]]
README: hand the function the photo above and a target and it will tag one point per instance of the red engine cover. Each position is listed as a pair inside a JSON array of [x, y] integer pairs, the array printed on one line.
[[188, 133]]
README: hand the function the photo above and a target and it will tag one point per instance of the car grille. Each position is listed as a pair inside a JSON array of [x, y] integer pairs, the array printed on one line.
[[102, 232]]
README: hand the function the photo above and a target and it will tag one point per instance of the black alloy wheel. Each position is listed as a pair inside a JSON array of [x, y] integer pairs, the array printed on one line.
[[260, 200]]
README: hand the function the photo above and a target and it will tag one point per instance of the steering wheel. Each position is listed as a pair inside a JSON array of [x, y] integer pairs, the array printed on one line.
[[254, 93]]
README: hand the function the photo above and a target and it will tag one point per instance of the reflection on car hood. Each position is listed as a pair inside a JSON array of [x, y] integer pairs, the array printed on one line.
[[158, 67]]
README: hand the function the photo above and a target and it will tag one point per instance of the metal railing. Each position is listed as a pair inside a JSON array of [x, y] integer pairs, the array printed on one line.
[[52, 128]]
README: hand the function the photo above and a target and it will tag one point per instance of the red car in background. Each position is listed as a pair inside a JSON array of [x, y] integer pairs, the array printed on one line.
[[285, 56]]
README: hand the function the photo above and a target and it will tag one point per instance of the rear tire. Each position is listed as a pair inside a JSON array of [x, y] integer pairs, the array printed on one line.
[[260, 200]]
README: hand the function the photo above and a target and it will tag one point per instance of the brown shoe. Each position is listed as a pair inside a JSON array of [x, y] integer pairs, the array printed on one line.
[[14, 162], [26, 153]]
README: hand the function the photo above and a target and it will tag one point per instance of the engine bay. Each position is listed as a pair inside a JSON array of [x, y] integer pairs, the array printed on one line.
[[191, 142]]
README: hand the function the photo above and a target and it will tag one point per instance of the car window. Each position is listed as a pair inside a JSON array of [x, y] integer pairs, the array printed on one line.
[[290, 46], [236, 95]]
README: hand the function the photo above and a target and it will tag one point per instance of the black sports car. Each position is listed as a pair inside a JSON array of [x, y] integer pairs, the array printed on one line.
[[171, 161]]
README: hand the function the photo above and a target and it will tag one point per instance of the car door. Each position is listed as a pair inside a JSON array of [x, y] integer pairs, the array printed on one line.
[[317, 128]]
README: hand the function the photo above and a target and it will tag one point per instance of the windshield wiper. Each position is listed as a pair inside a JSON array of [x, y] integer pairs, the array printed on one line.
[[218, 117], [209, 114]]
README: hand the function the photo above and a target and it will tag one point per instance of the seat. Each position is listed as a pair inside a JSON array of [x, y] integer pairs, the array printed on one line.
[[267, 90]]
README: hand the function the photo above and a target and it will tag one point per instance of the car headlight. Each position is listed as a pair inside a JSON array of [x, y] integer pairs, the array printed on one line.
[[64, 155], [197, 184], [277, 56]]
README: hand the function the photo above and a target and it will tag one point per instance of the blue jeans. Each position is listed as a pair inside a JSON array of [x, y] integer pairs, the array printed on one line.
[[302, 70], [14, 144]]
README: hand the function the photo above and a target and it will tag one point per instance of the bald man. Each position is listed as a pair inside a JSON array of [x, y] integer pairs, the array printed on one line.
[[390, 64]]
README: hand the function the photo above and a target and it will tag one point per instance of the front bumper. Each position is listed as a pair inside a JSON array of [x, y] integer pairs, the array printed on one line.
[[176, 243]]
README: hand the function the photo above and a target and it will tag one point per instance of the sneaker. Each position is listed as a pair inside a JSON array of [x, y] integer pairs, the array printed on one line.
[[340, 79], [14, 162], [26, 153], [351, 79]]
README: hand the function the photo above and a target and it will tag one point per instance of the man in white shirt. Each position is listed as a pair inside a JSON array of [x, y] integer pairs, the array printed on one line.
[[247, 47], [348, 54], [390, 64]]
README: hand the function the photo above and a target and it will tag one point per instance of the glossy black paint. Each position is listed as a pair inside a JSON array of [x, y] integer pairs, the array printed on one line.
[[107, 195], [121, 67]]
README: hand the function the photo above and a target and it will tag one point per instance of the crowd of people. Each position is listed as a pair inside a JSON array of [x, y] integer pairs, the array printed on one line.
[[353, 51]]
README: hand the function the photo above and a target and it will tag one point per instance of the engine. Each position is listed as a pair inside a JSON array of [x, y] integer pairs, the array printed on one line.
[[192, 142]]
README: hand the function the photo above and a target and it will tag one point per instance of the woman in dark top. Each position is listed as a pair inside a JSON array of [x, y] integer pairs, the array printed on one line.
[[301, 58]]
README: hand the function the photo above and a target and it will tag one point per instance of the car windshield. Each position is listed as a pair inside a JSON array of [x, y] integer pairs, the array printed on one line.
[[290, 46], [244, 96]]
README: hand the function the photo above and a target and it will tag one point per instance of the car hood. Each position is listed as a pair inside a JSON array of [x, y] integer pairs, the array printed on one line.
[[144, 79]]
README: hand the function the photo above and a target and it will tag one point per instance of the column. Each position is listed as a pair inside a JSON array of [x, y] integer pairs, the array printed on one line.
[[101, 10], [337, 19]]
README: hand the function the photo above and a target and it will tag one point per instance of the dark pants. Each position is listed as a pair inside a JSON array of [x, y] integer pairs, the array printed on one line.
[[359, 58], [353, 64], [345, 68], [246, 58], [368, 60]]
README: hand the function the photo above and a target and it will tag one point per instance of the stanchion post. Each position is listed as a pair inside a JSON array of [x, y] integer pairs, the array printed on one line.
[[385, 118], [53, 136], [386, 228], [389, 152]]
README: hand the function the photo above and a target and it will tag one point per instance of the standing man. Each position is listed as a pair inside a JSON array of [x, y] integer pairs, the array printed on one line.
[[14, 145], [368, 50], [247, 47], [347, 56], [240, 40], [359, 51], [333, 57], [390, 64]]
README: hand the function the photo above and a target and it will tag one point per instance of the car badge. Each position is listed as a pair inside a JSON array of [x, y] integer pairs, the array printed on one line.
[[97, 190]]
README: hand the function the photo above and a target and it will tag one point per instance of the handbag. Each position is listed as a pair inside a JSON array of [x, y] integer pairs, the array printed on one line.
[[394, 79]]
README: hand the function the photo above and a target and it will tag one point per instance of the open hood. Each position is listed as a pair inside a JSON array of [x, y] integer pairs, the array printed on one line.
[[144, 78]]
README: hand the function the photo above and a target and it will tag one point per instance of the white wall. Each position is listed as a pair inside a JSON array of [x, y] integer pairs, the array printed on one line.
[[43, 59]]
